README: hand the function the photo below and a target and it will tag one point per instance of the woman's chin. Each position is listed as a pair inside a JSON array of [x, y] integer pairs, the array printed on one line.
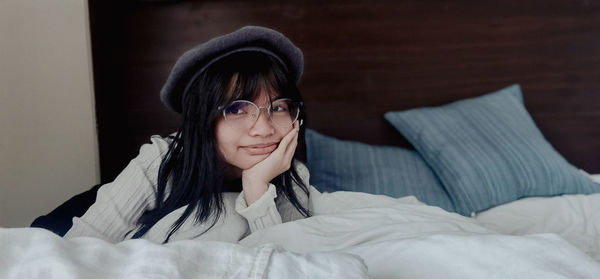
[[252, 160]]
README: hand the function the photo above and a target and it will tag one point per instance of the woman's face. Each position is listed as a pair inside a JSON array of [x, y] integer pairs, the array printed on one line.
[[242, 148]]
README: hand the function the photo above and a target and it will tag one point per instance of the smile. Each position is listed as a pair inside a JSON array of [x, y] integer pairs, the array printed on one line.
[[260, 149]]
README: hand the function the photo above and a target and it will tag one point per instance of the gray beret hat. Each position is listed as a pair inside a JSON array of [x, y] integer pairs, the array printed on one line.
[[249, 38]]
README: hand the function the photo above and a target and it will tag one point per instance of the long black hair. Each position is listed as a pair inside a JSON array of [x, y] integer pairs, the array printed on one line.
[[192, 173]]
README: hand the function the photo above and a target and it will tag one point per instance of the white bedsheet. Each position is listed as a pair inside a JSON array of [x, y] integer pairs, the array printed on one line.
[[576, 218]]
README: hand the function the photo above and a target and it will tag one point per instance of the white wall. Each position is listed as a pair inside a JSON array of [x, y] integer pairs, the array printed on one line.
[[48, 149]]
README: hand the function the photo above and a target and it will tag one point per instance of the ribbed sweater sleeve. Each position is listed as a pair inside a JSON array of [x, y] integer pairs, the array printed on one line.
[[262, 213], [270, 210], [119, 204]]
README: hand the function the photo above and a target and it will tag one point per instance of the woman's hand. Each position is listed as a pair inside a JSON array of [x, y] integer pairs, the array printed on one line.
[[255, 180]]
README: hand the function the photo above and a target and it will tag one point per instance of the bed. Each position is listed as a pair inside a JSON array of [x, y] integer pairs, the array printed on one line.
[[450, 140]]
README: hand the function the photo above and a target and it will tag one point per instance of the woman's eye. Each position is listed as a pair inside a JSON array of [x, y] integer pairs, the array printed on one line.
[[280, 106], [279, 109], [235, 109]]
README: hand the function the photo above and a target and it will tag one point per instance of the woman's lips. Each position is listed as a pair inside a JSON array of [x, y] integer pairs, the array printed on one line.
[[260, 149]]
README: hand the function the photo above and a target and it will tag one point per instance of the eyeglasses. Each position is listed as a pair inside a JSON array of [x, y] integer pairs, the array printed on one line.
[[243, 114]]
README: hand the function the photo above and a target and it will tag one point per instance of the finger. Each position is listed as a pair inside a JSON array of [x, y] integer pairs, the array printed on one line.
[[287, 139], [286, 158], [281, 149], [288, 142], [289, 152], [294, 141]]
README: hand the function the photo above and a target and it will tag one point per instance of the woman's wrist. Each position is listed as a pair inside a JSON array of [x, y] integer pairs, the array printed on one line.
[[253, 190]]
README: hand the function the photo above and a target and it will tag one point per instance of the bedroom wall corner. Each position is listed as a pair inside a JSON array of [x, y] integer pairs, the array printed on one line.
[[48, 138]]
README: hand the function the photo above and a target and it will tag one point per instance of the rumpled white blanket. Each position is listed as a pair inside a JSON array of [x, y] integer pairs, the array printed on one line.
[[403, 239], [37, 253], [576, 218]]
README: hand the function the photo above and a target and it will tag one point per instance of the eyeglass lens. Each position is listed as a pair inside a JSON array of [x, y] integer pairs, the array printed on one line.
[[242, 113]]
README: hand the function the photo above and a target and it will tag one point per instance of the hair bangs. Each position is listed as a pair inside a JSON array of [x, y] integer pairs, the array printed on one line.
[[258, 72]]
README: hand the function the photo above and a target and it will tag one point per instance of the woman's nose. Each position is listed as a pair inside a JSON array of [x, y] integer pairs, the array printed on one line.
[[263, 126]]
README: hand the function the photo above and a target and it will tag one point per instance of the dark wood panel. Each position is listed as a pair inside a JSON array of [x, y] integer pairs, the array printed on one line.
[[363, 58]]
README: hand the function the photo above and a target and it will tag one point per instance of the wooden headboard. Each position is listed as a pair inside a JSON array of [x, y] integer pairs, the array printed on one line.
[[362, 58]]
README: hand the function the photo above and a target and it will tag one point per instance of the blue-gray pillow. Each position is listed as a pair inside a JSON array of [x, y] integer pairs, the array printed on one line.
[[338, 165], [487, 151]]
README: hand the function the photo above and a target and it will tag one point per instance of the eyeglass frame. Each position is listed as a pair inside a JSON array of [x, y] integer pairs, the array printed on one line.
[[268, 109]]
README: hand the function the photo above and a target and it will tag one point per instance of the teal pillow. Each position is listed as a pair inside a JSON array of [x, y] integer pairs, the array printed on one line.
[[338, 165], [487, 151]]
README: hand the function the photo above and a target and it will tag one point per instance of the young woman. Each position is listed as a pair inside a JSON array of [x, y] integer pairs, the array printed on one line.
[[230, 169]]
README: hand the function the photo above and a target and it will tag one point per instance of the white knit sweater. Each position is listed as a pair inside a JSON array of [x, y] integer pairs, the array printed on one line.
[[119, 205]]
